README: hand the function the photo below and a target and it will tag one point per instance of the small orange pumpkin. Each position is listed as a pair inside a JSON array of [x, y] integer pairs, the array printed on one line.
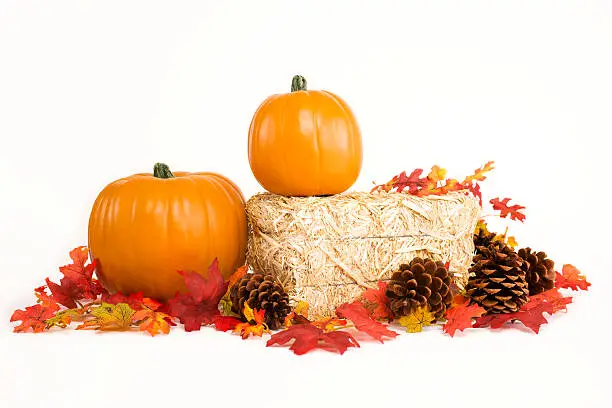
[[305, 143], [146, 227]]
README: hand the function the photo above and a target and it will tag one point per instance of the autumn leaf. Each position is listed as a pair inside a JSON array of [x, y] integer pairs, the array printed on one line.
[[377, 301], [237, 275], [359, 315], [460, 317], [436, 174], [306, 337], [151, 321], [302, 308], [254, 325], [479, 173], [34, 317], [415, 322], [552, 296], [329, 324], [570, 278], [505, 210], [201, 302], [109, 317], [64, 318], [225, 323], [511, 242], [77, 283]]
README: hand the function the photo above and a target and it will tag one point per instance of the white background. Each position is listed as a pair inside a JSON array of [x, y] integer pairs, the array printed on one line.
[[93, 91]]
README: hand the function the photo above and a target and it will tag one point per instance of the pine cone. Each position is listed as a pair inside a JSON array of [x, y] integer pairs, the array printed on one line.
[[261, 292], [484, 239], [418, 284], [539, 271], [498, 281]]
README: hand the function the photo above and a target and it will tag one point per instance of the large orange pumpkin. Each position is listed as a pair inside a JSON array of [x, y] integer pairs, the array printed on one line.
[[146, 227], [305, 143]]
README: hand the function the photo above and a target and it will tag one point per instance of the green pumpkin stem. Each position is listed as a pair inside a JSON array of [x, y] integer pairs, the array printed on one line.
[[162, 171], [298, 83]]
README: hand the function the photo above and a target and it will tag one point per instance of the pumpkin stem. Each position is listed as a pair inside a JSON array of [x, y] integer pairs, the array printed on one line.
[[298, 83], [162, 171]]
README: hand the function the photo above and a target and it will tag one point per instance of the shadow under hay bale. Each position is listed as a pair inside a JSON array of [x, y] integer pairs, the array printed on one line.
[[327, 250]]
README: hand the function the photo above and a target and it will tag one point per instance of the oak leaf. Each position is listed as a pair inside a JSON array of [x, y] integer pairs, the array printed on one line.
[[201, 302], [377, 302], [359, 315], [109, 317], [570, 278], [415, 322], [306, 337], [514, 211], [479, 173], [460, 317], [34, 318]]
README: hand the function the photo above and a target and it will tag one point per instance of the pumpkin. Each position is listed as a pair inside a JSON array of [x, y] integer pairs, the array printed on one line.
[[305, 143], [145, 228]]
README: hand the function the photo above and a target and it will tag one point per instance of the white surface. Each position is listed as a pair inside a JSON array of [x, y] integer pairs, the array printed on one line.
[[92, 91]]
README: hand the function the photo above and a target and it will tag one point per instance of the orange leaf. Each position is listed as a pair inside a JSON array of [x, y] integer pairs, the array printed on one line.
[[329, 324], [237, 275], [436, 174], [358, 314], [570, 278], [460, 317], [255, 323], [479, 174], [151, 321], [513, 211], [377, 301], [34, 317]]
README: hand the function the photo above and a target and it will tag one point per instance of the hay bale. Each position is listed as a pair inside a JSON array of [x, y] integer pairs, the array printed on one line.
[[327, 250]]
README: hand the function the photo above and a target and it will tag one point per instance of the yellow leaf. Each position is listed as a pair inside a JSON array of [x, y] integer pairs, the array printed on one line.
[[437, 174], [247, 329], [415, 322], [109, 317], [62, 319], [330, 324], [248, 312], [302, 308], [512, 242]]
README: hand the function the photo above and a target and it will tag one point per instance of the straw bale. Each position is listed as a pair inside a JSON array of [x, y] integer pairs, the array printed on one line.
[[327, 250]]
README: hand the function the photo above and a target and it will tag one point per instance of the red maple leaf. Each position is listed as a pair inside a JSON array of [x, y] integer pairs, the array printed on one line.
[[570, 278], [201, 302], [359, 315], [77, 283], [225, 323], [307, 337], [513, 211], [531, 314], [552, 296], [460, 317], [379, 302], [34, 317]]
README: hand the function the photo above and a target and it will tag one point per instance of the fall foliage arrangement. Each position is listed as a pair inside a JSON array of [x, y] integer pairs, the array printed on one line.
[[185, 249]]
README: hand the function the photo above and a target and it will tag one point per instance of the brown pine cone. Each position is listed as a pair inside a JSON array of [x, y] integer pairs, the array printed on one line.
[[484, 239], [261, 292], [539, 271], [421, 283], [498, 281]]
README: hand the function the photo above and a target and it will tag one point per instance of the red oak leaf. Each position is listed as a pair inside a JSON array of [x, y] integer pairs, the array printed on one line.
[[460, 317], [225, 323], [307, 337], [77, 283], [358, 314], [570, 278], [34, 317], [513, 211], [378, 301], [414, 182], [201, 302]]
